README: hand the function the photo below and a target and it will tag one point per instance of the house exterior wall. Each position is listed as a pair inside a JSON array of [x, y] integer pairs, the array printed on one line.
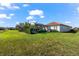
[[54, 28], [59, 28], [64, 28], [45, 28]]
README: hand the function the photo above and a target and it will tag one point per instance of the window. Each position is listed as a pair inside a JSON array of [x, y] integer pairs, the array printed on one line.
[[55, 27]]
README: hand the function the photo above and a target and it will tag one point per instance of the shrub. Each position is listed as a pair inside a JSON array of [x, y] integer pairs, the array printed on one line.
[[27, 30], [33, 31], [2, 28], [23, 27], [55, 31], [52, 30], [42, 31], [73, 31], [19, 27]]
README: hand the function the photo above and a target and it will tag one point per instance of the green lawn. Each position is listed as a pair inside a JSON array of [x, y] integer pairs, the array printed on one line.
[[13, 42]]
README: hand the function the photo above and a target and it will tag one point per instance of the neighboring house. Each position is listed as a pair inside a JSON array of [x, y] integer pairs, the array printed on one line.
[[2, 28], [40, 26], [58, 26]]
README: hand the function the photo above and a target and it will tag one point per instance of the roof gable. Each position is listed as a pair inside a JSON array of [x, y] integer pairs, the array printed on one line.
[[57, 23], [53, 23]]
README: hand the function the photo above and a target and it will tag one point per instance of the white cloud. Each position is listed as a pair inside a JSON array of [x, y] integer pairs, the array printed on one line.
[[42, 16], [17, 22], [15, 7], [36, 12], [25, 5], [2, 22], [77, 9], [5, 16], [5, 4], [8, 6], [29, 17], [2, 8], [67, 22], [11, 14], [31, 20], [8, 17]]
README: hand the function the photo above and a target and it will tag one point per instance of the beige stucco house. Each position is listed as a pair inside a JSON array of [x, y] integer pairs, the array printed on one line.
[[58, 26]]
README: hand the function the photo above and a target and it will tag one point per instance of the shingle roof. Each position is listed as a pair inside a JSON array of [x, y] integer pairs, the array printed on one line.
[[53, 23], [56, 23]]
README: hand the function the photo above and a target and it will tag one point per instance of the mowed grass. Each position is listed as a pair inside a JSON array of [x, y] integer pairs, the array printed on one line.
[[15, 43]]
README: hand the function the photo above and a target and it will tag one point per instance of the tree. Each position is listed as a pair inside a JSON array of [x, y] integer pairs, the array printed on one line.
[[26, 27], [30, 28], [20, 27], [74, 30]]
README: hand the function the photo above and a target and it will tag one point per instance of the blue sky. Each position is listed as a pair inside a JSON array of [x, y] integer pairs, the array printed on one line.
[[14, 13]]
